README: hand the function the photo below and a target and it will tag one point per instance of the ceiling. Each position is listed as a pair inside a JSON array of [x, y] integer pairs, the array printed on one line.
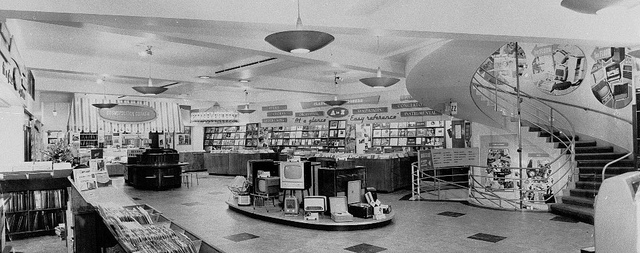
[[70, 44]]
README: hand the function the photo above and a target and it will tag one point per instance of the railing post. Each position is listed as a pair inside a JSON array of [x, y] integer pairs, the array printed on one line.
[[551, 120], [518, 102]]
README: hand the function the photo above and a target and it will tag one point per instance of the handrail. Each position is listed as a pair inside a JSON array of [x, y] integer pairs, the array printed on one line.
[[553, 101], [612, 162]]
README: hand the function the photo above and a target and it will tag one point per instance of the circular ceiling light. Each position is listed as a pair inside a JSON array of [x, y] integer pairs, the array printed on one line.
[[299, 41], [204, 77]]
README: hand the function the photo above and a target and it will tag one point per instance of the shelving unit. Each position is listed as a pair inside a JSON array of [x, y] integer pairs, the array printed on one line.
[[224, 137], [252, 135], [314, 136], [88, 140], [428, 134], [35, 206], [337, 135]]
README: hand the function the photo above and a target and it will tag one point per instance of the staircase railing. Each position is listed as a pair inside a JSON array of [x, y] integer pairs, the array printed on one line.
[[502, 96], [604, 169]]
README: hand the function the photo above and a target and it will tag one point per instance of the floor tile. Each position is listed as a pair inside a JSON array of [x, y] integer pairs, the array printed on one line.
[[365, 248], [564, 219], [451, 214], [192, 203], [241, 237], [487, 237]]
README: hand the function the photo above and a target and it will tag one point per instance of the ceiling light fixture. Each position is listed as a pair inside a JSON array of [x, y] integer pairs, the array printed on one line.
[[244, 81], [597, 6], [204, 77], [299, 41], [149, 89], [104, 104], [378, 81], [335, 101], [246, 109], [54, 112]]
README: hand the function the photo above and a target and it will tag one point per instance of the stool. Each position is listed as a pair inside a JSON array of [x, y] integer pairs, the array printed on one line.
[[187, 179]]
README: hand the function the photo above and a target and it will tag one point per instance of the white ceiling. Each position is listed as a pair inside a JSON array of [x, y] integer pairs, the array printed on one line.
[[70, 44]]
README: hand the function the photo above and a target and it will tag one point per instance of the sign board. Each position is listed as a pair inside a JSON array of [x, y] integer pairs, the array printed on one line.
[[128, 113], [452, 157], [425, 160]]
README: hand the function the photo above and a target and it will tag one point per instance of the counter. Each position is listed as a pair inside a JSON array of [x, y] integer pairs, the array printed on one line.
[[233, 163], [154, 177]]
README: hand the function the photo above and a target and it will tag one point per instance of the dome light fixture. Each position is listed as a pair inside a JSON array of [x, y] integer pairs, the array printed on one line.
[[103, 105], [149, 89], [378, 81], [299, 41], [335, 101], [246, 109]]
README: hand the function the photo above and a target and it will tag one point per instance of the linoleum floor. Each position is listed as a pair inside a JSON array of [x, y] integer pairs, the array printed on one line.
[[418, 226]]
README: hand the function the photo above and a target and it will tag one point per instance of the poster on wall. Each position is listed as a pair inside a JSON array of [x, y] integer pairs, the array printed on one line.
[[499, 176], [558, 69], [538, 181], [504, 62], [612, 75]]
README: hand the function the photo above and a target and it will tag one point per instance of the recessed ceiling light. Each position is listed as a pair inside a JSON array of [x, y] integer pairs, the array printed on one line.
[[204, 77], [244, 81]]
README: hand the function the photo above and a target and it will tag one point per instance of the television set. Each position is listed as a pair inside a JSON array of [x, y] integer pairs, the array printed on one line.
[[260, 168], [268, 185], [295, 175]]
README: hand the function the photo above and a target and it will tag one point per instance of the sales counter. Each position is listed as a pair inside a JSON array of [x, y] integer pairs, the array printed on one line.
[[233, 163], [156, 169]]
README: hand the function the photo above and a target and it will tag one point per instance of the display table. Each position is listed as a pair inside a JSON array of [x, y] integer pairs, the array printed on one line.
[[155, 177], [276, 215], [86, 230]]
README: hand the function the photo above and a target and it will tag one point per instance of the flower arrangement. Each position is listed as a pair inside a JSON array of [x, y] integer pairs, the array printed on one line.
[[59, 152]]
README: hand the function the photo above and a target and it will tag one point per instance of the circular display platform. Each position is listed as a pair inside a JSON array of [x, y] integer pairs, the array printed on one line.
[[275, 214]]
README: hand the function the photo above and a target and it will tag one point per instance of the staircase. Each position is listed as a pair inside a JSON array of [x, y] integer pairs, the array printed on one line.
[[578, 203]]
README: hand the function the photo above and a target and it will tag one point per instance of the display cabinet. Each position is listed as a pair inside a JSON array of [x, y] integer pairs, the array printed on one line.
[[35, 206], [88, 140], [337, 135], [423, 134], [313, 136], [252, 135], [224, 137]]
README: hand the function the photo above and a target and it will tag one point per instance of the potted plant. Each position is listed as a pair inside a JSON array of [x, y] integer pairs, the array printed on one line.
[[59, 152]]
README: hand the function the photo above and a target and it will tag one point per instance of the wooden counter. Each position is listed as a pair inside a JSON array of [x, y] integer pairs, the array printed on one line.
[[234, 164], [154, 177]]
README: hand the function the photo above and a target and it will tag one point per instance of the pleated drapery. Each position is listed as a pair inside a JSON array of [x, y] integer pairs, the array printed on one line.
[[86, 118]]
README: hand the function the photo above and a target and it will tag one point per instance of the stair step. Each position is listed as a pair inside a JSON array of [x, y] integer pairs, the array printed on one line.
[[561, 138], [577, 201], [579, 144], [598, 156], [602, 163], [594, 177], [588, 185], [583, 193], [557, 134], [596, 149], [610, 170], [580, 213]]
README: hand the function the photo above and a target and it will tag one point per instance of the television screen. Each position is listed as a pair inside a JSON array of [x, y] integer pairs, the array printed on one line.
[[295, 175], [293, 171]]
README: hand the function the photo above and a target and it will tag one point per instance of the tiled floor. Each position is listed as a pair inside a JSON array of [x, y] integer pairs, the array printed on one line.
[[418, 226]]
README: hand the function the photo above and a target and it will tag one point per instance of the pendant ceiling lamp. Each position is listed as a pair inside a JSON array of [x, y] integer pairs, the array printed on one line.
[[378, 81], [299, 41], [597, 6], [335, 101], [246, 109], [104, 104], [149, 89]]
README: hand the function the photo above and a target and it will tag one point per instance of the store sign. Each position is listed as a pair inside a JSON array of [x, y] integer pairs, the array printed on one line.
[[274, 120], [370, 110], [309, 114], [274, 107], [281, 113], [351, 101], [419, 113], [337, 112], [407, 105], [128, 113], [406, 97]]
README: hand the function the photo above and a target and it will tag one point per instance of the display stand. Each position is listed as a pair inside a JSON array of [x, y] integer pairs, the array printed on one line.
[[431, 164]]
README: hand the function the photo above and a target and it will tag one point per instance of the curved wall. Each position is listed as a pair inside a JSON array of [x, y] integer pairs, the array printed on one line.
[[445, 74]]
